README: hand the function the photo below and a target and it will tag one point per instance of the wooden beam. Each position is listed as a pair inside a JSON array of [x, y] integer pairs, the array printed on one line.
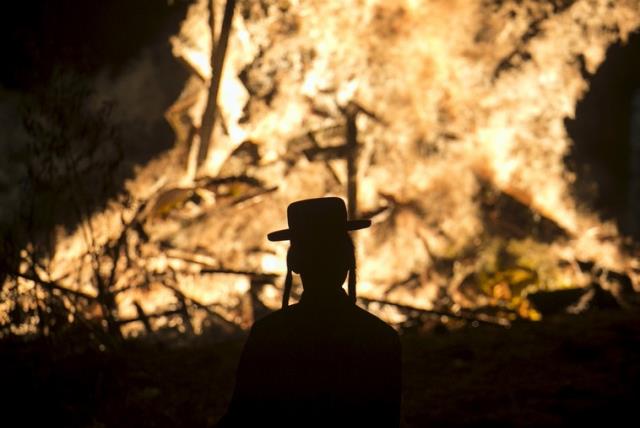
[[52, 285], [407, 308], [351, 137], [143, 317], [218, 52]]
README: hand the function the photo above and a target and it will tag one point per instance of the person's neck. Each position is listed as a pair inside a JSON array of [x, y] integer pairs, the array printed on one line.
[[323, 294]]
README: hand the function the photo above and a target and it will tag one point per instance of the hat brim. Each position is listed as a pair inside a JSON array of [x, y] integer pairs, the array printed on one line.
[[285, 234]]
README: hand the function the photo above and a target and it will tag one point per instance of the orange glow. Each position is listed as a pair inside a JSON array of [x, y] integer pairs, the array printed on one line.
[[462, 97]]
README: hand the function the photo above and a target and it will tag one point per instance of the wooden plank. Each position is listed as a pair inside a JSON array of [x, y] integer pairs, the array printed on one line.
[[218, 50]]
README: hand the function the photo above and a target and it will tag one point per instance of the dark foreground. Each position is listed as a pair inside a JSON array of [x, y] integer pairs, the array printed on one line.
[[564, 371]]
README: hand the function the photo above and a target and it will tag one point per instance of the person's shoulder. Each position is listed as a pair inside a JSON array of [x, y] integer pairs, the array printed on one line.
[[276, 318], [375, 324]]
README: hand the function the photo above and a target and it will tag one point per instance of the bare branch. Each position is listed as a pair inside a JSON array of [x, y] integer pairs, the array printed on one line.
[[52, 285]]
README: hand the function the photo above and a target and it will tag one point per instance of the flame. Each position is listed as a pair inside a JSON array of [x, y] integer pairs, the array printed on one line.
[[459, 91], [487, 86]]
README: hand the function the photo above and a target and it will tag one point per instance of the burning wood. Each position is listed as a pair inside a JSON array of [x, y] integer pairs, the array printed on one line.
[[451, 139], [217, 61], [468, 316]]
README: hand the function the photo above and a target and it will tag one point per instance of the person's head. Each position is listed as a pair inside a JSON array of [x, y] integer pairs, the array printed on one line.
[[321, 249], [322, 263]]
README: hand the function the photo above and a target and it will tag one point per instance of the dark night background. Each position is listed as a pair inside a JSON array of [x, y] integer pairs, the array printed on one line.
[[562, 372], [102, 41]]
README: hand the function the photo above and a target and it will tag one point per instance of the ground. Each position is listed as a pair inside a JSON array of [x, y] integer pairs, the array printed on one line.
[[562, 371]]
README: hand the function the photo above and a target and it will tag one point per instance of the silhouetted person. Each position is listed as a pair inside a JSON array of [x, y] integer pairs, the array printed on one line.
[[322, 362]]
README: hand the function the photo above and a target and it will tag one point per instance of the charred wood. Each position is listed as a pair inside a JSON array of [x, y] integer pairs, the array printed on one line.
[[207, 308], [509, 215], [407, 309], [52, 285], [143, 317], [184, 312], [255, 276], [219, 50], [351, 136]]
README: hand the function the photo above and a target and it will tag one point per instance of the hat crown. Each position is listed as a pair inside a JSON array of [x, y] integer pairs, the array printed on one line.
[[319, 216]]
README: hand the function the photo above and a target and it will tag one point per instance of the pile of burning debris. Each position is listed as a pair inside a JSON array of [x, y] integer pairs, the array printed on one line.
[[450, 139]]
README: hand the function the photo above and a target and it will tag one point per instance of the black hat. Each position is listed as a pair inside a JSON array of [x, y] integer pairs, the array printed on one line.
[[317, 217]]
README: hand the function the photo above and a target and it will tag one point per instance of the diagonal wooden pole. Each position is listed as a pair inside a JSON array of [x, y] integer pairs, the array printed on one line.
[[218, 51], [351, 137]]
